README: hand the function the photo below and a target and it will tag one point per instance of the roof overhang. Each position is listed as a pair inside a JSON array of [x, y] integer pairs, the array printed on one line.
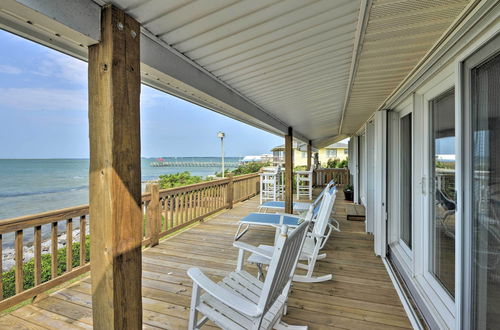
[[321, 67]]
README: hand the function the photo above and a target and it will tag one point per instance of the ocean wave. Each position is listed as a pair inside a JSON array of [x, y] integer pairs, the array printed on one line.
[[41, 192]]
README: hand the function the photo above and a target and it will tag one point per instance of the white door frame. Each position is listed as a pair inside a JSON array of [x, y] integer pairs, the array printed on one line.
[[380, 183]]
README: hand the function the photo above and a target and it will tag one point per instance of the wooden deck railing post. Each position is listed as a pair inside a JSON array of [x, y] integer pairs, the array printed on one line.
[[115, 173], [230, 191], [289, 171], [309, 155], [154, 213]]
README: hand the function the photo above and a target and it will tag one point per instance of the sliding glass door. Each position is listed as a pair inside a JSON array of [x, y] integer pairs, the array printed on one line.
[[405, 165], [482, 222], [442, 179]]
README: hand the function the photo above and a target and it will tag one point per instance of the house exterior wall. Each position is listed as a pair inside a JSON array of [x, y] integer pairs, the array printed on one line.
[[334, 153], [416, 263], [300, 157]]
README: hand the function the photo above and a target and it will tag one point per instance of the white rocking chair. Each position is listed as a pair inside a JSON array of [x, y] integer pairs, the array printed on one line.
[[314, 243], [240, 301]]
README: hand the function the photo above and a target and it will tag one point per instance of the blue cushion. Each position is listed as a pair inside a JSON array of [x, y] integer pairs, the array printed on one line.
[[270, 219], [276, 204]]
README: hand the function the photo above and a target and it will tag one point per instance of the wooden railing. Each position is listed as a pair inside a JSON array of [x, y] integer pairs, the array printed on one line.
[[164, 212], [325, 175]]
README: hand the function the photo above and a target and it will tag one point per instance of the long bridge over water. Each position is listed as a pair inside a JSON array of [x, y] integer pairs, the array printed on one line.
[[193, 164]]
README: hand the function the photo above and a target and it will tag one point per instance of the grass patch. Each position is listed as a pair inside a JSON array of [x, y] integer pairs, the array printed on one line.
[[9, 278]]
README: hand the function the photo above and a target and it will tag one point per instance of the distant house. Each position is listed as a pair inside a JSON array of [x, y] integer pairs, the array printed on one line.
[[333, 151]]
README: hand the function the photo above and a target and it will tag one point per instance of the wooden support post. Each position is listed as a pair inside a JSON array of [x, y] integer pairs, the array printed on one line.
[[230, 191], [316, 167], [154, 213], [115, 173], [309, 155], [289, 171]]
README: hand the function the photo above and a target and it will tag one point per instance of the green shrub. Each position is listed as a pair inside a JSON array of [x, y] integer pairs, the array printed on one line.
[[178, 180], [337, 163], [246, 168], [9, 279]]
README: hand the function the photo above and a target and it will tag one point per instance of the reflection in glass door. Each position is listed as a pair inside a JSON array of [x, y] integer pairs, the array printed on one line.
[[405, 134], [442, 225], [485, 106]]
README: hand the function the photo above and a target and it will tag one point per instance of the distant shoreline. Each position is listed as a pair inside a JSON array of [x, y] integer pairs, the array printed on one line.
[[142, 157]]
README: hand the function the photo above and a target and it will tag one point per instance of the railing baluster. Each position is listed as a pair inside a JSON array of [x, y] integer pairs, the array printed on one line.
[[170, 211], [37, 238], [191, 206], [163, 218], [182, 211], [198, 203], [202, 201], [83, 240], [211, 198], [53, 257], [19, 261], [176, 211], [69, 245]]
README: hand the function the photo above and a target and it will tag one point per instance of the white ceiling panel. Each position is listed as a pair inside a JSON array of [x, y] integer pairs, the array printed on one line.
[[399, 33], [290, 57]]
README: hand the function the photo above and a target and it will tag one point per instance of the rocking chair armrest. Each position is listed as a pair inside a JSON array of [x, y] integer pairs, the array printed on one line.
[[222, 294], [253, 249]]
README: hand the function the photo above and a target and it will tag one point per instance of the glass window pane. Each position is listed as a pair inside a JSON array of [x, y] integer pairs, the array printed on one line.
[[486, 194], [443, 207], [405, 179]]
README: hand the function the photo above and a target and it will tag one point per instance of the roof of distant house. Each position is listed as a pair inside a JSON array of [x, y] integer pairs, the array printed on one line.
[[338, 145]]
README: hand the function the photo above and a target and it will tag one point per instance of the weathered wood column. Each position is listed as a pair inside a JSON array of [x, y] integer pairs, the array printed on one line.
[[309, 155], [115, 173], [289, 171], [230, 191]]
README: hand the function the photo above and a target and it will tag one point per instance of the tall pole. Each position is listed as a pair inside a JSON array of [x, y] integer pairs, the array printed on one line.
[[222, 155], [289, 171], [221, 136]]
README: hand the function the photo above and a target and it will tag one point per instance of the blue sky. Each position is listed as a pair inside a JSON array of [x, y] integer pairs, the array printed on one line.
[[43, 112]]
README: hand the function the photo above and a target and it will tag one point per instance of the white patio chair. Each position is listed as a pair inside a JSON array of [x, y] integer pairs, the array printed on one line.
[[298, 207], [269, 181], [240, 301], [277, 219], [304, 183], [315, 242]]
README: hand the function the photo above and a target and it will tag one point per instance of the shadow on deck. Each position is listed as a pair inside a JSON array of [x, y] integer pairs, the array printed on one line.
[[360, 295]]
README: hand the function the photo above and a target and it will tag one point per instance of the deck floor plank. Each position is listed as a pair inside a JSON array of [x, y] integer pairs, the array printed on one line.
[[360, 295]]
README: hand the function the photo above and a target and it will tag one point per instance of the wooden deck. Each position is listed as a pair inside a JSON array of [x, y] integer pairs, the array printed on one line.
[[360, 296]]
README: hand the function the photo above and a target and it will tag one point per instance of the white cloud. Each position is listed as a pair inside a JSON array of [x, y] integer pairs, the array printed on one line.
[[43, 99], [64, 67], [9, 69], [151, 97]]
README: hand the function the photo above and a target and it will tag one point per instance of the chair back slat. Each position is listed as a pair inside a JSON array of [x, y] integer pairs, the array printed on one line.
[[283, 263], [324, 212]]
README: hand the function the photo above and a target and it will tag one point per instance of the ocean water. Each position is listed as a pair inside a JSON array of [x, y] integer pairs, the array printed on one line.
[[29, 186]]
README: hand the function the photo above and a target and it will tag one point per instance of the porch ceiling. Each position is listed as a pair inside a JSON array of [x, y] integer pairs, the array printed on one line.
[[320, 66], [398, 34], [291, 58]]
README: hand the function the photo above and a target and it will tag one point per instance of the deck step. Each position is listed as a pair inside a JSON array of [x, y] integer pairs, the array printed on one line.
[[355, 212]]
